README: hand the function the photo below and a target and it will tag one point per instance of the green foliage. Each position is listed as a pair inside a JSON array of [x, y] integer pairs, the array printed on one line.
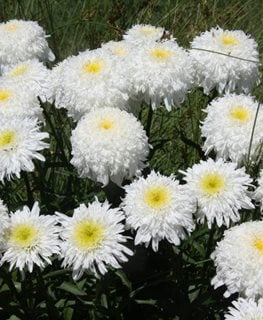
[[173, 283]]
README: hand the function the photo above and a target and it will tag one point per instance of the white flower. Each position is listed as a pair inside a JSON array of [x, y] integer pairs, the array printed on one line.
[[20, 143], [245, 310], [220, 190], [16, 100], [30, 239], [215, 70], [32, 75], [228, 127], [239, 260], [143, 33], [93, 79], [121, 49], [109, 143], [92, 239], [158, 208], [161, 73], [23, 40], [258, 194]]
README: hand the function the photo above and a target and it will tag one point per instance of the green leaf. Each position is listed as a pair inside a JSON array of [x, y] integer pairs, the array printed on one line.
[[72, 288]]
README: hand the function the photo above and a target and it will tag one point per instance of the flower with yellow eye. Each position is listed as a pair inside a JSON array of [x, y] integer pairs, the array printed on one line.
[[158, 208], [20, 143], [215, 69], [92, 239], [30, 239], [220, 190]]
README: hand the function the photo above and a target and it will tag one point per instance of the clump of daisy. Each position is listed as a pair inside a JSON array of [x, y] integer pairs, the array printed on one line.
[[238, 258], [218, 70], [109, 143], [93, 79], [245, 310], [31, 239], [92, 239], [143, 33], [23, 40], [20, 143], [158, 208], [220, 190], [32, 75], [161, 73], [258, 194], [228, 127], [16, 100]]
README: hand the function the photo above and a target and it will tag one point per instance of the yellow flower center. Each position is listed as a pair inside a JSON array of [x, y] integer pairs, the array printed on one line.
[[147, 31], [24, 235], [6, 137], [240, 113], [229, 40], [88, 234], [18, 71], [4, 95], [157, 197], [161, 54], [212, 183], [10, 27], [258, 243], [106, 124], [93, 67]]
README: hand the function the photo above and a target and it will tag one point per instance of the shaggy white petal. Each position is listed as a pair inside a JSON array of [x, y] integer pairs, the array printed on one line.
[[258, 194], [20, 143], [30, 239], [23, 40], [109, 143], [93, 79], [15, 100], [245, 310], [158, 208], [143, 33], [219, 71], [228, 127], [4, 223], [32, 75], [238, 258], [220, 190], [161, 73], [92, 239]]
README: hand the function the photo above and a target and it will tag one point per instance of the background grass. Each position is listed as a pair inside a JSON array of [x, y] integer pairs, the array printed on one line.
[[175, 282]]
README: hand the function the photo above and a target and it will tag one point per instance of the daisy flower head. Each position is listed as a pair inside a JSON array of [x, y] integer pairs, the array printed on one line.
[[23, 40], [92, 239], [30, 239], [109, 143], [258, 194], [20, 143], [93, 79], [216, 69], [220, 190], [161, 73], [15, 100], [245, 309], [32, 75], [228, 127], [121, 49], [143, 33], [158, 208], [238, 258]]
